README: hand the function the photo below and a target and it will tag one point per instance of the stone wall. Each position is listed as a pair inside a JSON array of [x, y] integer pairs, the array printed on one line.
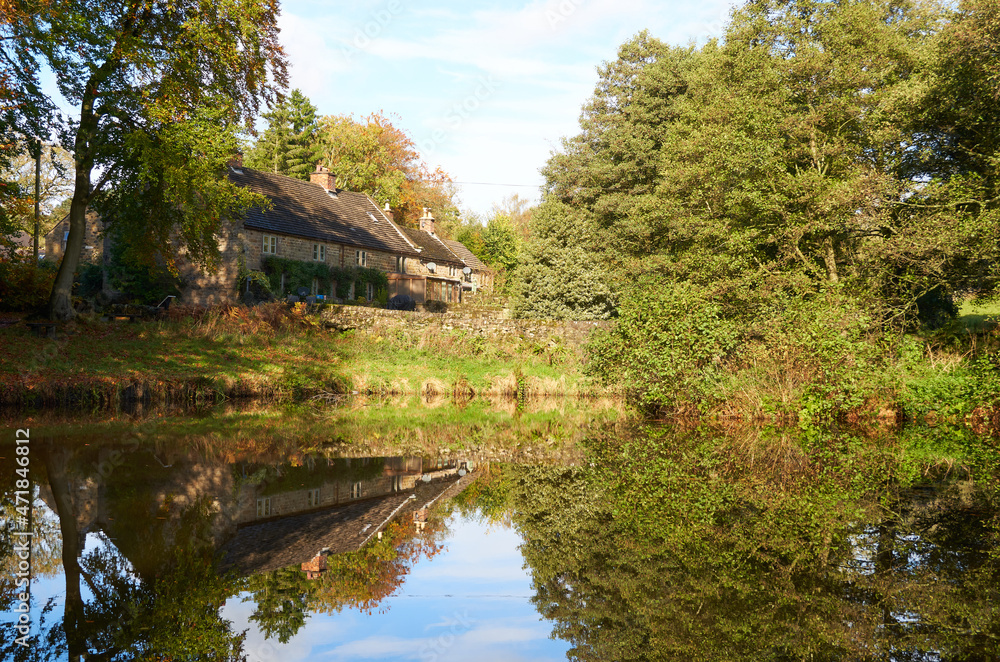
[[93, 243], [207, 288], [479, 321], [297, 248]]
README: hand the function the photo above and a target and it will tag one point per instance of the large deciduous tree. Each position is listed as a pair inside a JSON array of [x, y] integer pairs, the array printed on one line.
[[138, 73], [375, 157]]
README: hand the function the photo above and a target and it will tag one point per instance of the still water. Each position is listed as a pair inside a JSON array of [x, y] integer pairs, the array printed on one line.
[[395, 530]]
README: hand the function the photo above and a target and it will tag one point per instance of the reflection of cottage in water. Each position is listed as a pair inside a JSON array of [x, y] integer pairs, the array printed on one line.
[[310, 512]]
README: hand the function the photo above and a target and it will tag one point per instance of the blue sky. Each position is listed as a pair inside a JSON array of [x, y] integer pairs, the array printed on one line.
[[485, 89], [469, 602]]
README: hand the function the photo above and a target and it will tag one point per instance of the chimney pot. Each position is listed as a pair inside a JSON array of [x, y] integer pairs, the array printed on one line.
[[427, 221], [387, 211]]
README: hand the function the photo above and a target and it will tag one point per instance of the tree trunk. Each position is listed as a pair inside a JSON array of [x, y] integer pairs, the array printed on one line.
[[61, 300], [830, 259], [56, 465]]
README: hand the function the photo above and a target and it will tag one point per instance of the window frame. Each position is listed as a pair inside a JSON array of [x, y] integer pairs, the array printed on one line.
[[264, 507], [361, 257], [319, 252], [269, 245]]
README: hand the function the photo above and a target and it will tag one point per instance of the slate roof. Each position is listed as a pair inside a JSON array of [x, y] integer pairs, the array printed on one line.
[[467, 256], [432, 248], [304, 209], [296, 539]]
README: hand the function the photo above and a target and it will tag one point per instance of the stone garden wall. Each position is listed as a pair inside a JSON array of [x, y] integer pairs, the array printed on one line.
[[479, 321]]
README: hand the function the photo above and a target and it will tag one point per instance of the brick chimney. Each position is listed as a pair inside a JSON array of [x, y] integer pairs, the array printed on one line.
[[427, 221], [315, 567], [323, 177], [388, 212]]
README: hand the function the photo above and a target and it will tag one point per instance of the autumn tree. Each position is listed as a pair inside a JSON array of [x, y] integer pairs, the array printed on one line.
[[23, 109], [373, 156], [150, 80], [55, 182]]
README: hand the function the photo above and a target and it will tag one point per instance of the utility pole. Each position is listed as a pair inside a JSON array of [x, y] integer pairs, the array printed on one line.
[[38, 193]]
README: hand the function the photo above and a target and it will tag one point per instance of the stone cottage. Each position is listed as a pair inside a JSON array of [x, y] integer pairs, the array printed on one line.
[[315, 221]]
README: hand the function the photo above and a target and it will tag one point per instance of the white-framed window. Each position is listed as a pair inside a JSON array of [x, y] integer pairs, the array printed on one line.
[[270, 246], [319, 252], [264, 507], [397, 483], [401, 264], [315, 286], [313, 497], [369, 291], [356, 491], [362, 258]]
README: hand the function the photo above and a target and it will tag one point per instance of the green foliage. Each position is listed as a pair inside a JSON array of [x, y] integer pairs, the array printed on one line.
[[300, 273], [141, 281], [668, 344], [289, 144], [24, 284], [820, 146], [173, 191], [90, 280], [500, 243], [557, 276]]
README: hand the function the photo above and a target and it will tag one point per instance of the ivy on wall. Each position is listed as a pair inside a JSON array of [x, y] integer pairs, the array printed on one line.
[[300, 273]]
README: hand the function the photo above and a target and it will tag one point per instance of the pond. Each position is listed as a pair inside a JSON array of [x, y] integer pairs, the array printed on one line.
[[561, 529]]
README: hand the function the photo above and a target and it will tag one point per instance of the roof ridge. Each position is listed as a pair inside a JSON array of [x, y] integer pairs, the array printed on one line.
[[393, 225]]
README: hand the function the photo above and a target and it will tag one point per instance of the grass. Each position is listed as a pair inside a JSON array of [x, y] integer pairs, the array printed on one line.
[[281, 352], [975, 315]]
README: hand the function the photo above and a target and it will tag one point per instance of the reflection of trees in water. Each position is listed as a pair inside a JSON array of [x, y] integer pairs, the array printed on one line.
[[170, 611], [674, 548], [150, 586], [359, 580]]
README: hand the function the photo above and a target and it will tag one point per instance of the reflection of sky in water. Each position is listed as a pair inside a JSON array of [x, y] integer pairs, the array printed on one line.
[[470, 600]]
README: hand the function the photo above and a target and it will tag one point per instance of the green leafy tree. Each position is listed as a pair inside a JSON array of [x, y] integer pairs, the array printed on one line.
[[501, 243], [557, 276], [148, 79]]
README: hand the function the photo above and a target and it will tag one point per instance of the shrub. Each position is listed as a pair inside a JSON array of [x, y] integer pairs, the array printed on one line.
[[667, 345], [89, 280], [435, 306], [24, 283]]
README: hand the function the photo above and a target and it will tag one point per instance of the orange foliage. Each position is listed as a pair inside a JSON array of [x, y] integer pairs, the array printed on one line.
[[363, 579]]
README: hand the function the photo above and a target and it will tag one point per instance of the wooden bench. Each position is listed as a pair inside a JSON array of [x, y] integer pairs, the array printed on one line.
[[43, 329]]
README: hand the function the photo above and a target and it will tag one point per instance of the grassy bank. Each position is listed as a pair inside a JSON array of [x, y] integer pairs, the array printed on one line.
[[271, 352]]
